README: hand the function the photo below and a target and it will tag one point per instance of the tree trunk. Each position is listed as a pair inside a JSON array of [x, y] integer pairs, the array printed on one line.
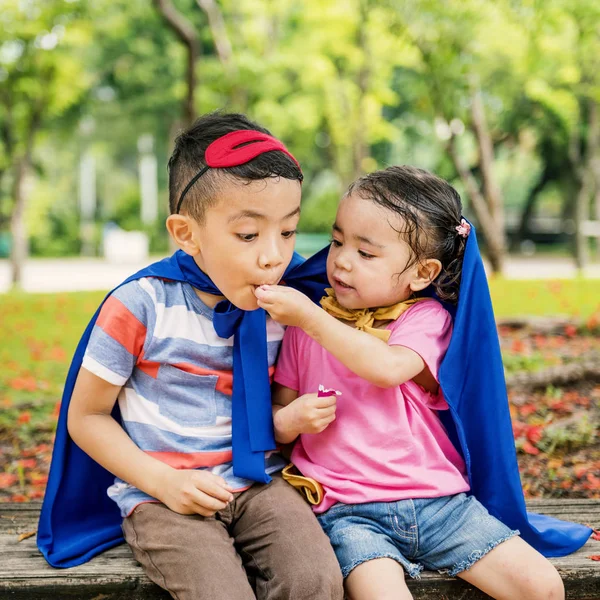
[[587, 177], [224, 49], [18, 252], [187, 34], [360, 148], [494, 241], [530, 207], [491, 190]]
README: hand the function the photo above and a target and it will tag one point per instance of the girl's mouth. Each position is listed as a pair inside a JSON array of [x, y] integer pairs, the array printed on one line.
[[342, 285]]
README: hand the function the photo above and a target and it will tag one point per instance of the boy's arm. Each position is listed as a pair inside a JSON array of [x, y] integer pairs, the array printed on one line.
[[94, 430], [364, 354], [293, 415]]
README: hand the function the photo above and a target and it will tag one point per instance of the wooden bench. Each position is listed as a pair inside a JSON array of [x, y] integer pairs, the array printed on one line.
[[114, 575]]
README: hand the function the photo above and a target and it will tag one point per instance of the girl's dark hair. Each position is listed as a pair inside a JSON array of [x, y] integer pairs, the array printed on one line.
[[188, 158], [430, 209]]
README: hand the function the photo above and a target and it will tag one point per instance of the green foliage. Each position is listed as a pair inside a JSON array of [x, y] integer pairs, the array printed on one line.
[[349, 86]]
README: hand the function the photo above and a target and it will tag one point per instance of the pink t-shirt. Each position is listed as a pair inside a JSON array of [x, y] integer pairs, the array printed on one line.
[[385, 444]]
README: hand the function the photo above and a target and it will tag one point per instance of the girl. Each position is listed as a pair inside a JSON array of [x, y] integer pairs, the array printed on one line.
[[394, 488]]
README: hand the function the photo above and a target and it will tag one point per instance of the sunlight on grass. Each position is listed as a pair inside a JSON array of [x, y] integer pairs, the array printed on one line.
[[579, 298]]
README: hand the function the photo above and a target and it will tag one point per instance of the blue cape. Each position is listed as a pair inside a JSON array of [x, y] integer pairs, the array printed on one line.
[[78, 520]]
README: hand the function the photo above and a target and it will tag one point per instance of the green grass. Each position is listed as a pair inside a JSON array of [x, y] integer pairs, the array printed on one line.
[[39, 333], [579, 298]]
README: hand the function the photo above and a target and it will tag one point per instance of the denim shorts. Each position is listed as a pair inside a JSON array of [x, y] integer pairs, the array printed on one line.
[[447, 534]]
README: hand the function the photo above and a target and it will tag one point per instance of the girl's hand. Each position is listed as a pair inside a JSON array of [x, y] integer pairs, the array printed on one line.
[[306, 414], [191, 491], [286, 305]]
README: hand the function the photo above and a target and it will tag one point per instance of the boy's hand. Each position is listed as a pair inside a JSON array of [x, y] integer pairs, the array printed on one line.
[[306, 414], [286, 305], [189, 491]]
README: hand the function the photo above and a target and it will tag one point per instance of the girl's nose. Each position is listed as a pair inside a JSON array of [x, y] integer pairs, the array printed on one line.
[[343, 262]]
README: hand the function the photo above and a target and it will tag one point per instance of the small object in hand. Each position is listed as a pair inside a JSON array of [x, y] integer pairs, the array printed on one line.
[[324, 392]]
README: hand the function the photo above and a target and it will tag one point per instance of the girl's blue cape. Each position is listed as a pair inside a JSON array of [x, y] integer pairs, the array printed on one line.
[[78, 520]]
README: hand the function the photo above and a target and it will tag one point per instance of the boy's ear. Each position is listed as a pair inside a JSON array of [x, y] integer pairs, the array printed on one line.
[[425, 273], [181, 231]]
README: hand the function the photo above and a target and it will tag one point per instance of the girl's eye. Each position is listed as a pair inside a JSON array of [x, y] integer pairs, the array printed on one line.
[[365, 254], [336, 243], [289, 234], [247, 237]]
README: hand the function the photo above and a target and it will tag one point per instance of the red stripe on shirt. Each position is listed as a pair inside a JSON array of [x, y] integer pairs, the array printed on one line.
[[225, 381], [122, 325], [149, 367], [194, 460]]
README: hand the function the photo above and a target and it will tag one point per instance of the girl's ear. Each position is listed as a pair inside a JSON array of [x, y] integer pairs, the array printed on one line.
[[181, 230], [425, 273]]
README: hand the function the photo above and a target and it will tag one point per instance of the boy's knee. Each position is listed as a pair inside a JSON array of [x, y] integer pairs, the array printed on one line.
[[322, 583]]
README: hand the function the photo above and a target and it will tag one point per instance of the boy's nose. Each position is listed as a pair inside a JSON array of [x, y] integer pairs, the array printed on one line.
[[270, 259]]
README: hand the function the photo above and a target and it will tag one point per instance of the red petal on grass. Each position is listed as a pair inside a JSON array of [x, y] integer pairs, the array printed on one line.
[[527, 409], [24, 417], [534, 433], [518, 346], [7, 479], [530, 449], [58, 354], [570, 331]]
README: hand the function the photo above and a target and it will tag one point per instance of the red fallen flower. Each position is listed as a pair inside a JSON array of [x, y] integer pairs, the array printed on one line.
[[7, 479], [570, 331], [594, 557], [24, 417], [534, 433], [530, 449]]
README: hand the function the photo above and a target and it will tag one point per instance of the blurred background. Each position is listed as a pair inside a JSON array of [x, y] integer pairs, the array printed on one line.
[[500, 97]]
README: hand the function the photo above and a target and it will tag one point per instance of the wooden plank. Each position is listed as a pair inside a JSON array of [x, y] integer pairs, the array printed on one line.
[[114, 575]]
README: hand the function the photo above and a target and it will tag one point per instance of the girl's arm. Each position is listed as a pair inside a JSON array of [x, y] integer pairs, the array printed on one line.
[[367, 356], [293, 415]]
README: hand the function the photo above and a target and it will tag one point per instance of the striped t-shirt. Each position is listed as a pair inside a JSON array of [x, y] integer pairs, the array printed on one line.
[[156, 339]]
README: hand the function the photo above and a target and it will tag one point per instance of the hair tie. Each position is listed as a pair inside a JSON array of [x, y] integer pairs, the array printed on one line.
[[464, 228]]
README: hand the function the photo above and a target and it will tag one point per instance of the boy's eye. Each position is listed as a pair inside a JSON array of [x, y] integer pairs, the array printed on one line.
[[289, 234], [247, 237], [365, 254], [336, 243]]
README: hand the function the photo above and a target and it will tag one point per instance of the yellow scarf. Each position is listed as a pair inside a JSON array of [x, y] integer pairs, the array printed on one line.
[[365, 317]]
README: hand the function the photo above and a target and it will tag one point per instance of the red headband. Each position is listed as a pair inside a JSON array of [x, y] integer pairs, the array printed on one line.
[[228, 151]]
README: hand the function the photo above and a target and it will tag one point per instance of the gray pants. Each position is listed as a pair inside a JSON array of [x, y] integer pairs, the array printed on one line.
[[266, 544]]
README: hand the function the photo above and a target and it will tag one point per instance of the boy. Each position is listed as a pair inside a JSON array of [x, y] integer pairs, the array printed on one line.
[[193, 516]]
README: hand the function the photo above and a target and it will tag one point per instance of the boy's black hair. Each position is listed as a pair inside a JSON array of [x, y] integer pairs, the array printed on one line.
[[430, 209], [188, 158]]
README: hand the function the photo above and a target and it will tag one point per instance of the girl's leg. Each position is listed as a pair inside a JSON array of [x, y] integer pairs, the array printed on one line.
[[513, 570], [377, 579]]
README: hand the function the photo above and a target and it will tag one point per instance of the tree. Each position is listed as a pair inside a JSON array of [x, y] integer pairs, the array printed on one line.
[[43, 80]]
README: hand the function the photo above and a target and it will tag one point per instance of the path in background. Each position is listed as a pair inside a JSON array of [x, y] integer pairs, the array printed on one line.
[[82, 274]]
